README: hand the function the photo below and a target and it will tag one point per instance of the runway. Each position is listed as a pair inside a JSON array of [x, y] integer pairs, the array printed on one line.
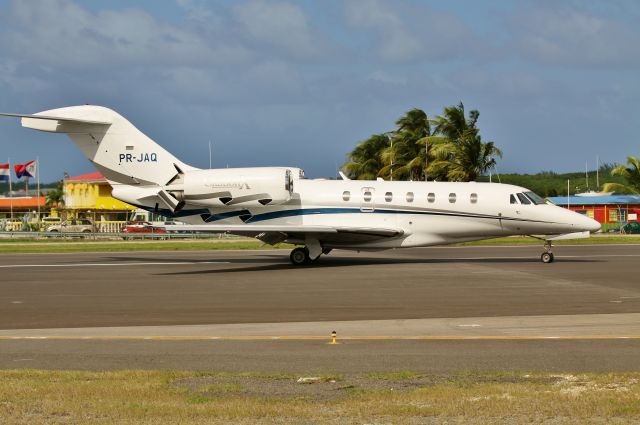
[[460, 307]]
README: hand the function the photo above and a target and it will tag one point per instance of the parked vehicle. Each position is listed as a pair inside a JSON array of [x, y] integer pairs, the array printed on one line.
[[141, 228], [631, 228], [49, 221], [72, 226]]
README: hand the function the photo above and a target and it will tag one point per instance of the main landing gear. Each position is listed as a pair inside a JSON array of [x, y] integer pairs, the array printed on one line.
[[547, 255], [304, 255], [299, 256]]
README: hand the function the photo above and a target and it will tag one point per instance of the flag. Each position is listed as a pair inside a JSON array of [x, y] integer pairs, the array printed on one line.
[[25, 170], [4, 172]]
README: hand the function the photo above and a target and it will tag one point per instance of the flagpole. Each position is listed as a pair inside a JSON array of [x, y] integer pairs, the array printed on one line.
[[38, 182], [10, 190]]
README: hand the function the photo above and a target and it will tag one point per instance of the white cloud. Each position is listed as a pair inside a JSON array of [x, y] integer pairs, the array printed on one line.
[[396, 44], [280, 24], [63, 34], [413, 32], [571, 36]]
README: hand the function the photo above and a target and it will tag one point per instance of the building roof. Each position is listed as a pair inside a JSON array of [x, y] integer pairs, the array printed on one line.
[[22, 202], [89, 177], [596, 200]]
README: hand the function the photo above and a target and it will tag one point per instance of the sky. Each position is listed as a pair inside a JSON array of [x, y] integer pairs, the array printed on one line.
[[300, 83]]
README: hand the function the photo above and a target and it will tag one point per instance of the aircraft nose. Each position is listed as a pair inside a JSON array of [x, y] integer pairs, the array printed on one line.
[[587, 224]]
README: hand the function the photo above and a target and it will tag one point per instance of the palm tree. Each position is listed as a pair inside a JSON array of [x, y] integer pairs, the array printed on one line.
[[365, 161], [631, 175], [446, 148], [452, 123], [55, 197], [460, 154], [465, 159], [405, 155]]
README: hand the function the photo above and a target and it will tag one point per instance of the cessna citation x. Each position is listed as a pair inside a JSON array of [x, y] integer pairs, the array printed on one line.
[[278, 204]]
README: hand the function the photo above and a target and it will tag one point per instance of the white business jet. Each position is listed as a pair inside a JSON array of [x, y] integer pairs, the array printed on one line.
[[278, 204]]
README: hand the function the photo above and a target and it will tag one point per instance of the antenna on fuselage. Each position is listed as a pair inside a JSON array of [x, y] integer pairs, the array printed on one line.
[[210, 155]]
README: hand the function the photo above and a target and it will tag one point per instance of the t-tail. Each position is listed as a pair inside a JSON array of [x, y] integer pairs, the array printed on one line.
[[121, 152], [144, 174]]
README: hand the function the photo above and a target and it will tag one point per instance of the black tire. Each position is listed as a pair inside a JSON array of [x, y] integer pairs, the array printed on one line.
[[299, 256], [547, 257]]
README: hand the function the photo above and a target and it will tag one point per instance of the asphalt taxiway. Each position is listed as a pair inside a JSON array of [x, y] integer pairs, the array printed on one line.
[[430, 309]]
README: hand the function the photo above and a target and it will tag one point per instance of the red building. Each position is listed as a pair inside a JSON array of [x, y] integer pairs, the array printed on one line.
[[611, 211]]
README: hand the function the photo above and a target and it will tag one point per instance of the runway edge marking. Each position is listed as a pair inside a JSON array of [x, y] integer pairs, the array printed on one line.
[[318, 338]]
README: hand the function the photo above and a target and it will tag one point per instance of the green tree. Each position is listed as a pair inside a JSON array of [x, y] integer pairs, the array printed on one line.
[[365, 161], [460, 154], [55, 197], [405, 155], [446, 148], [631, 174]]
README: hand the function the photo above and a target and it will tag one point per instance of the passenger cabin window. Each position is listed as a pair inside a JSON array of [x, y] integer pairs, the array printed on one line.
[[388, 196], [367, 196], [523, 199], [513, 200], [409, 196], [431, 198], [346, 195], [452, 198], [473, 198]]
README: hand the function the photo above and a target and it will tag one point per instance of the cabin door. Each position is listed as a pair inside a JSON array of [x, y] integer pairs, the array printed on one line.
[[368, 199]]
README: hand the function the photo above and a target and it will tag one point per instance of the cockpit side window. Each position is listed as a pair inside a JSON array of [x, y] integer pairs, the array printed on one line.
[[536, 199], [523, 199], [513, 200]]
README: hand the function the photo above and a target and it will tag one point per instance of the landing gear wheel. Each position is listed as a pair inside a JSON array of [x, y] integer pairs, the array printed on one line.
[[299, 256], [547, 257]]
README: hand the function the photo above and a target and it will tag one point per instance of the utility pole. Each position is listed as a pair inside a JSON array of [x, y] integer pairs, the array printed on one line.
[[10, 190]]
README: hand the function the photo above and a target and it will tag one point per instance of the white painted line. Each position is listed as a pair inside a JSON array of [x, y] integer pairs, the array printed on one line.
[[119, 264]]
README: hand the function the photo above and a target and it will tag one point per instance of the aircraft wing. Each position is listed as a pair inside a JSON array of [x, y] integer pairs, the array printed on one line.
[[278, 233]]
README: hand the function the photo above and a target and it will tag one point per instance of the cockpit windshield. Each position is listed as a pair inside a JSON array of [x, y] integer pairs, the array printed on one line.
[[536, 199], [526, 198], [523, 199]]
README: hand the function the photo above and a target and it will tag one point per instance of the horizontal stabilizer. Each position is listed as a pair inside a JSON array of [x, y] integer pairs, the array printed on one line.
[[50, 118]]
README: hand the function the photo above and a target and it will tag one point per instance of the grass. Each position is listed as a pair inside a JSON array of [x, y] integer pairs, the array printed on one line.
[[157, 397], [39, 246]]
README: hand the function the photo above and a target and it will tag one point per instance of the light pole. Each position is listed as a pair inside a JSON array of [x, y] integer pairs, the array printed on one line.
[[388, 134], [426, 158]]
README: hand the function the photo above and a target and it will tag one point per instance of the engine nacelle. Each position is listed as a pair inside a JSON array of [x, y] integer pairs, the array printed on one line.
[[235, 186]]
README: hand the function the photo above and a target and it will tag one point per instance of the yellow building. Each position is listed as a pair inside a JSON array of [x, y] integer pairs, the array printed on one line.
[[89, 196]]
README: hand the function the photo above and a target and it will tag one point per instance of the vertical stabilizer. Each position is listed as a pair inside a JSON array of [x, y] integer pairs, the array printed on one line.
[[121, 152]]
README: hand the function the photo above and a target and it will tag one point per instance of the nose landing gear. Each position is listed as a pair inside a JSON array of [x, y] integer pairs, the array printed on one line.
[[547, 255]]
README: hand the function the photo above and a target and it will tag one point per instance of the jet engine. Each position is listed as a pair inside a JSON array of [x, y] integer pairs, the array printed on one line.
[[235, 186], [245, 187]]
